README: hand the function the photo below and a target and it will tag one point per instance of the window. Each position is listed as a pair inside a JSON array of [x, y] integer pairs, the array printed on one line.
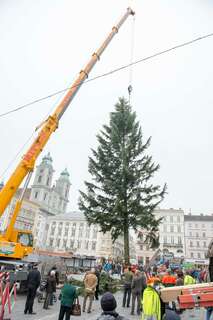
[[165, 239], [95, 233], [172, 239], [179, 240], [81, 230], [171, 228], [48, 181], [171, 218], [45, 196], [60, 229], [51, 243], [191, 244], [93, 245], [72, 244], [204, 234], [190, 234], [39, 179], [36, 195], [58, 242], [198, 255], [204, 244], [64, 243], [52, 230], [87, 232], [141, 247], [179, 228], [73, 230], [190, 225], [165, 228], [198, 243], [178, 218], [79, 244], [197, 235], [66, 231], [195, 225], [86, 245], [192, 255]]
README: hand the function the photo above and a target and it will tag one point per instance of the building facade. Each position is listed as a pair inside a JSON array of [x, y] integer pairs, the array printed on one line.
[[71, 232], [198, 234], [52, 197], [43, 200], [171, 236]]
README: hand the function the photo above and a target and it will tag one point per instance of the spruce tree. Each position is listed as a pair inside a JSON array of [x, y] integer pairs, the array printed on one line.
[[121, 195]]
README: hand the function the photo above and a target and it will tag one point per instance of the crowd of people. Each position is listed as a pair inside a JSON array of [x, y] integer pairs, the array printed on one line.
[[141, 289]]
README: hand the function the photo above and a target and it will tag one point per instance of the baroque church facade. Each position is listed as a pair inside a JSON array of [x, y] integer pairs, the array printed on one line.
[[52, 197]]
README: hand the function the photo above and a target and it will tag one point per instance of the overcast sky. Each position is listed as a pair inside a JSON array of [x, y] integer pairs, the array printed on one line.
[[45, 43]]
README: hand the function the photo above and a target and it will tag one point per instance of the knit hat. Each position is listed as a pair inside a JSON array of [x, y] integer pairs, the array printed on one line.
[[108, 302]]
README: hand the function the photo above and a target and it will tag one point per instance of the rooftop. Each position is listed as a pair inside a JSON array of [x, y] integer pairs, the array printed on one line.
[[200, 217]]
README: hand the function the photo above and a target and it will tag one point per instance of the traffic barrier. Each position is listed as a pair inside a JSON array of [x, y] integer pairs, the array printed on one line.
[[7, 293]]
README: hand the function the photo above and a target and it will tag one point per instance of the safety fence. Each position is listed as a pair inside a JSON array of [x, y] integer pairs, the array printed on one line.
[[7, 295]]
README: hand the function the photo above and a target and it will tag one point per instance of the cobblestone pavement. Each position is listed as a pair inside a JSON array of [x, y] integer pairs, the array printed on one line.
[[52, 313]]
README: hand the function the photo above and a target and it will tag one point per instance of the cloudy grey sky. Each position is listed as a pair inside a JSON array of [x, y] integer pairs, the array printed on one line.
[[45, 43]]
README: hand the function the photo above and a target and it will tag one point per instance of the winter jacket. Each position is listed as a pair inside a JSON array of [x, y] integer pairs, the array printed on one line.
[[68, 295], [138, 284], [111, 315], [90, 282], [179, 282], [51, 284], [127, 276], [56, 275], [33, 279]]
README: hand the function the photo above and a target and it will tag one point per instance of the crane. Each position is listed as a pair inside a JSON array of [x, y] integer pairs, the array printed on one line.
[[14, 243]]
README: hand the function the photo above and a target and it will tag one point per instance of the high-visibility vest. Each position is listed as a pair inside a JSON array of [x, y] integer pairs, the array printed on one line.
[[188, 280], [151, 304]]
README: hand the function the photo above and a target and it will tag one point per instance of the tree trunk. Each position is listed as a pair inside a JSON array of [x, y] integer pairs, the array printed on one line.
[[126, 243]]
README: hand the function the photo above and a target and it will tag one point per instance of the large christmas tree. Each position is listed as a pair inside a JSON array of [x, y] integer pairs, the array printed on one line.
[[121, 195]]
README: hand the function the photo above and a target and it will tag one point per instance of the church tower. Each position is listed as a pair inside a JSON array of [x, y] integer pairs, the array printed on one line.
[[43, 181], [62, 188]]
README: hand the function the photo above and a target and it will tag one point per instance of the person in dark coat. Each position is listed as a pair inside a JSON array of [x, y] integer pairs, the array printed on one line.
[[210, 256], [97, 273], [50, 289], [127, 276], [108, 305], [138, 286], [54, 268], [33, 282]]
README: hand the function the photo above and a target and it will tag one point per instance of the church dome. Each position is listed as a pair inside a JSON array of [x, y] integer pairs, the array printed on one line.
[[65, 174], [47, 159]]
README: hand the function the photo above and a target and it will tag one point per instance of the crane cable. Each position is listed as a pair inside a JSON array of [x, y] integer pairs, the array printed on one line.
[[132, 44], [154, 55]]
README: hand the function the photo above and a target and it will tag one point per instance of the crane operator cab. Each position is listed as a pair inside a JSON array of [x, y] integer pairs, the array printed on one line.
[[19, 245]]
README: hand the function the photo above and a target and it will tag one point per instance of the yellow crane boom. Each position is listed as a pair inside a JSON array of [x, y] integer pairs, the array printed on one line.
[[27, 163]]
